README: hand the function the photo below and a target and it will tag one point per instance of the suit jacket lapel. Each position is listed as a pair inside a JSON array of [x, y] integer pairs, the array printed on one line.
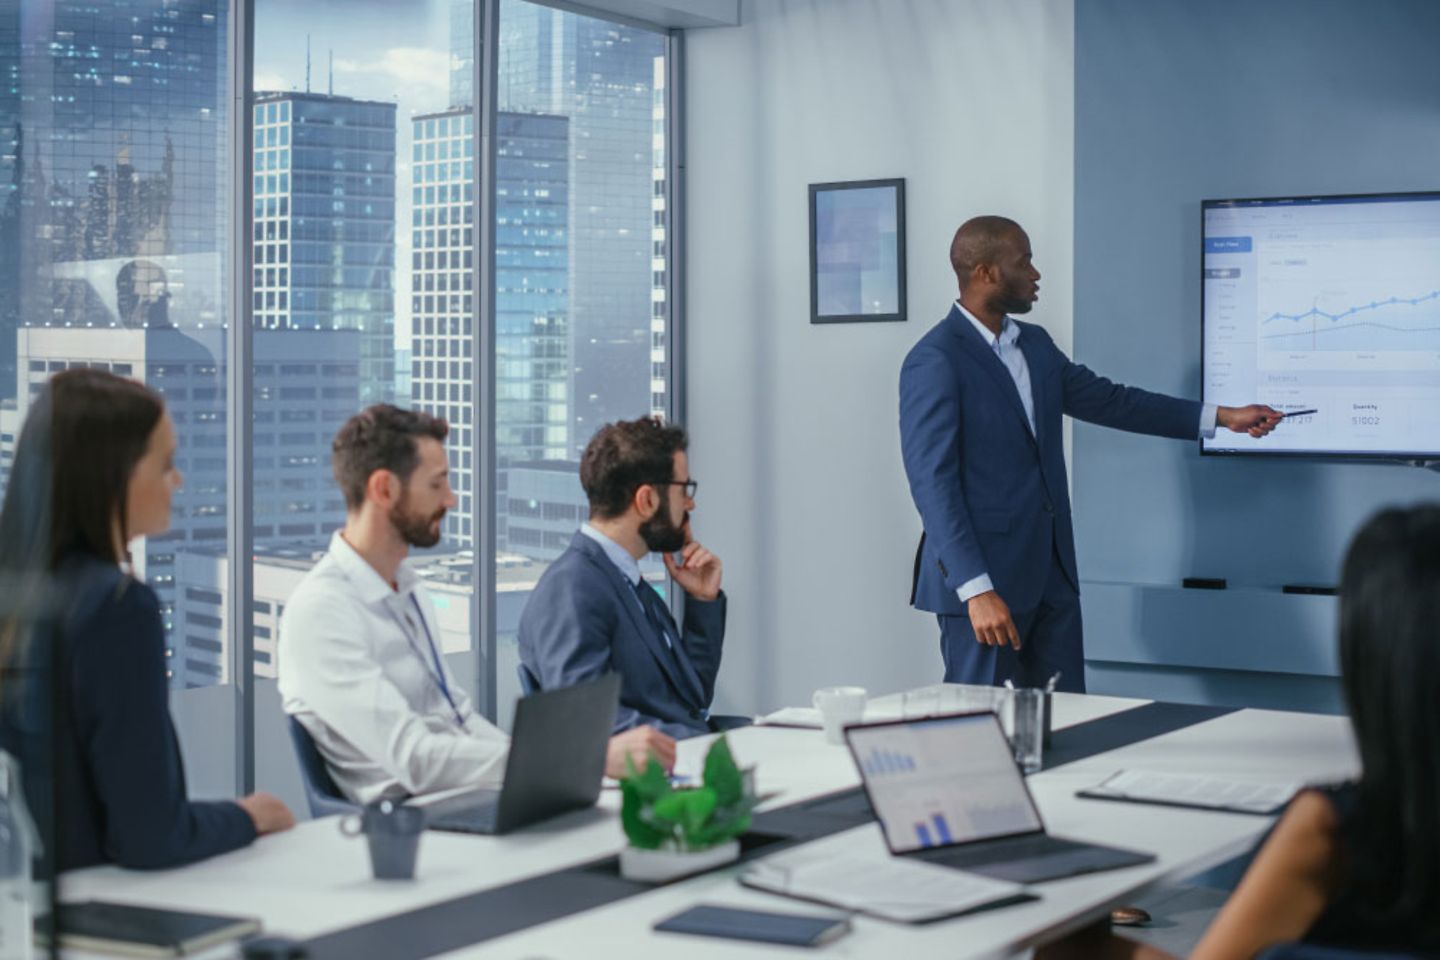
[[984, 355], [639, 622]]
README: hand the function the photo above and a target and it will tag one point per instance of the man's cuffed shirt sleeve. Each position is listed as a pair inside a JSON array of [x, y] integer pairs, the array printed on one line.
[[1209, 420], [974, 587]]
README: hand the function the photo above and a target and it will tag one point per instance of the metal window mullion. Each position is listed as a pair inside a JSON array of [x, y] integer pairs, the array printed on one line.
[[482, 415], [239, 344], [675, 244]]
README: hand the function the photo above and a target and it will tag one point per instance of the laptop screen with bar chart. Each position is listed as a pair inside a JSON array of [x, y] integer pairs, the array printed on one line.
[[942, 781]]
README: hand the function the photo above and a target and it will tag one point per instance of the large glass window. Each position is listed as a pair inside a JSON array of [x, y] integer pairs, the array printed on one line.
[[114, 180], [366, 119], [580, 276], [117, 177]]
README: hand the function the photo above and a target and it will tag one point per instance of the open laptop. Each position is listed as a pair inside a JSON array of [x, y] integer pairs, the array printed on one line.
[[947, 790], [556, 762]]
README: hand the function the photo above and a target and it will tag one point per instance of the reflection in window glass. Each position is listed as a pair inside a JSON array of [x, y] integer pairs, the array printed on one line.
[[113, 245]]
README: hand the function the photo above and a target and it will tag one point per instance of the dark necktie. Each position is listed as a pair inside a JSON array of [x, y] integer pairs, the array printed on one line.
[[664, 624], [656, 612]]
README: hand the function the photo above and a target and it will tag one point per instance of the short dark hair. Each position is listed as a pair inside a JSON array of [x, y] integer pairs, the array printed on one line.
[[1389, 608], [624, 456], [980, 240], [380, 437]]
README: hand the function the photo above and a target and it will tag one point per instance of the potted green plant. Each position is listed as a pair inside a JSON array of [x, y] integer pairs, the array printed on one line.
[[675, 832]]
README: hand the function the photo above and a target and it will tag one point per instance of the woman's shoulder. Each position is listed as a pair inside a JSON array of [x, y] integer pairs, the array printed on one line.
[[1326, 806], [1306, 838], [1315, 809], [98, 592]]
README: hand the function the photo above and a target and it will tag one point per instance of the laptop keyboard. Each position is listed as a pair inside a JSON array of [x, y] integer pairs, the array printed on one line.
[[1033, 858], [1028, 847], [477, 819]]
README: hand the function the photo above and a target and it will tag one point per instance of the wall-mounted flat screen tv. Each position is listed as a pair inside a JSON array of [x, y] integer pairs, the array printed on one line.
[[1330, 304]]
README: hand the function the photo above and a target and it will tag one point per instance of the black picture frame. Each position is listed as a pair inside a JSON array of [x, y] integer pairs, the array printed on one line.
[[885, 273]]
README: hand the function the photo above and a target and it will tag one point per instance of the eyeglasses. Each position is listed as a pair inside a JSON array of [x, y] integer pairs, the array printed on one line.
[[690, 485]]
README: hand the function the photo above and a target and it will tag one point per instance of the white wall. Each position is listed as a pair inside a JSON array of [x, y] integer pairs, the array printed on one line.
[[794, 426]]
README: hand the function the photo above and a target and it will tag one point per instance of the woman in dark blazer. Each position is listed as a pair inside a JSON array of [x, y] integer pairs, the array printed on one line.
[[1355, 865], [94, 469]]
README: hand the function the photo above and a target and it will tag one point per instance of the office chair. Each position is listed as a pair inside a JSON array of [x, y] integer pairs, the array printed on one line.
[[1312, 951], [323, 796], [528, 683]]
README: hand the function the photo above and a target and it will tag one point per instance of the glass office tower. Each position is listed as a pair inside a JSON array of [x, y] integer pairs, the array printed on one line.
[[532, 407], [324, 223], [601, 75]]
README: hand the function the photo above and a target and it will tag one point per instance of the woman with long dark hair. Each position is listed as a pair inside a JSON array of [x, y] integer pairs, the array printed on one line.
[[1354, 865], [94, 469]]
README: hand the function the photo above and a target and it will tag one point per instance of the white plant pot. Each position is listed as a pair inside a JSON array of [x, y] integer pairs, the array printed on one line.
[[660, 866]]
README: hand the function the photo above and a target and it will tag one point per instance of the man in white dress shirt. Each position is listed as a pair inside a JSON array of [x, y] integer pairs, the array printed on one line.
[[360, 664]]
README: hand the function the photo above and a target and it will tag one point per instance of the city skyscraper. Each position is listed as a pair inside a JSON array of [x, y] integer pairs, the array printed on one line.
[[324, 223], [11, 172], [532, 372], [600, 75], [462, 54], [659, 261]]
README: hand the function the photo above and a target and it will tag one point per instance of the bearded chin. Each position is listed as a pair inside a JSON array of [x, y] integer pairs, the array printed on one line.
[[661, 535], [415, 530]]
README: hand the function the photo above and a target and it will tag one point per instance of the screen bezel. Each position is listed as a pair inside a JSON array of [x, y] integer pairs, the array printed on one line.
[[937, 718], [1317, 199]]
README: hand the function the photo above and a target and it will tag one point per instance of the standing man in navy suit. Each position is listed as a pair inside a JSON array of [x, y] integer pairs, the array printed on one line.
[[981, 399], [593, 613]]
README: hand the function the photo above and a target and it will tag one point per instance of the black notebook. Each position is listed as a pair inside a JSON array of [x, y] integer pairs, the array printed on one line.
[[792, 929], [129, 931]]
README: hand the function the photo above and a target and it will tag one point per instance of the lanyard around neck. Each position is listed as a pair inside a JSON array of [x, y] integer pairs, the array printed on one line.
[[433, 666]]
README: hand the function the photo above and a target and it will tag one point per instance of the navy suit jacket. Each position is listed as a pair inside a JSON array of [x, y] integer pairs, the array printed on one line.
[[992, 496], [584, 621], [121, 782]]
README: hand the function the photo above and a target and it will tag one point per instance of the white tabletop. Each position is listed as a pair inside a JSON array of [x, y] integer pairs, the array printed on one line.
[[312, 880]]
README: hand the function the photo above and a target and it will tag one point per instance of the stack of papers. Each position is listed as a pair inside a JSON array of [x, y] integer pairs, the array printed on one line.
[[1186, 790], [810, 717], [893, 888]]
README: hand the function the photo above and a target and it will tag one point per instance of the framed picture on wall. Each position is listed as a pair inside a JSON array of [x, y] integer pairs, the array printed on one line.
[[857, 251]]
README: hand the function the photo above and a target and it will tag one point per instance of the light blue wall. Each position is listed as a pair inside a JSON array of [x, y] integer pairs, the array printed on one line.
[[1175, 101]]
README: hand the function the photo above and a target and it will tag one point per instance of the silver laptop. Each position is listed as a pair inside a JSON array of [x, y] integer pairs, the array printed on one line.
[[947, 790]]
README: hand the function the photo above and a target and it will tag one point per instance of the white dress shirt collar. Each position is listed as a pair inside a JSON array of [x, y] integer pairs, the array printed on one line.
[[369, 585], [1009, 330]]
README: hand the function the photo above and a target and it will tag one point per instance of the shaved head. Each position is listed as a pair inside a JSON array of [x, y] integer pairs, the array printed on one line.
[[980, 241]]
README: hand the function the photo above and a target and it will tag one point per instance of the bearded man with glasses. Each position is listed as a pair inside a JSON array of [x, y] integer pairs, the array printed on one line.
[[593, 612]]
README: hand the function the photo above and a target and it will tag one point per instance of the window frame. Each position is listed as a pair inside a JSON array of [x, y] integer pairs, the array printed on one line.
[[240, 341]]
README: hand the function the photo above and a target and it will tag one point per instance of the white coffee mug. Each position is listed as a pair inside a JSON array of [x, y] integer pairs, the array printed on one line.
[[839, 706]]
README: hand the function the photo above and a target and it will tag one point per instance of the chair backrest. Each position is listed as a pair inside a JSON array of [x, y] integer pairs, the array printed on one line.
[[1315, 951], [528, 683], [323, 796]]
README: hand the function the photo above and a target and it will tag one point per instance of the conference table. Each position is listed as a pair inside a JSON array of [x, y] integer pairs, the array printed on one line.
[[507, 896]]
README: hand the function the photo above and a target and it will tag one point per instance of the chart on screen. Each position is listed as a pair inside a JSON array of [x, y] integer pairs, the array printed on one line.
[[941, 781], [1330, 304]]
